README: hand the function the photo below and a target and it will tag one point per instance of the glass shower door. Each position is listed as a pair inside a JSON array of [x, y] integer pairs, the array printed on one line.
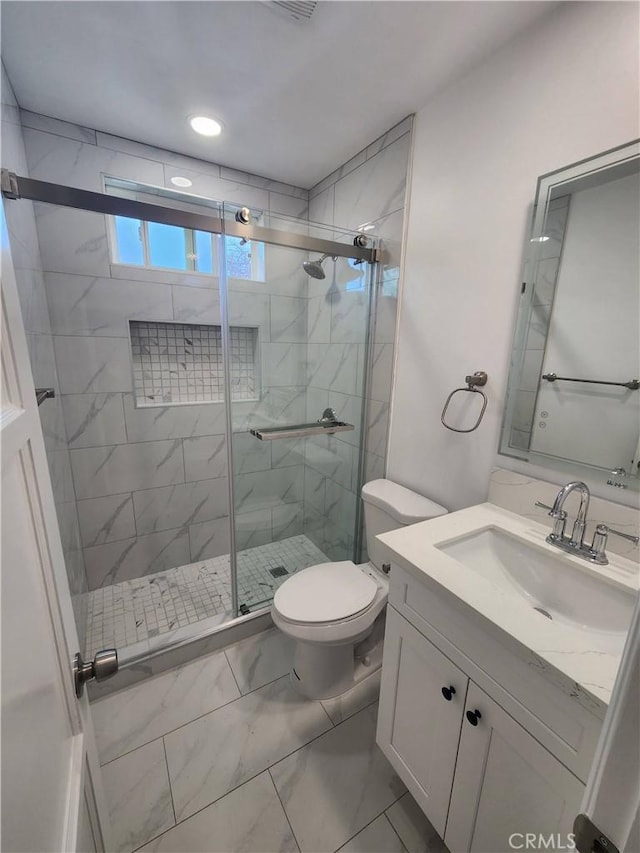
[[297, 338]]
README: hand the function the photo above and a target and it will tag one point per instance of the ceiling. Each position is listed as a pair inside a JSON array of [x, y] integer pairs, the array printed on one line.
[[296, 99]]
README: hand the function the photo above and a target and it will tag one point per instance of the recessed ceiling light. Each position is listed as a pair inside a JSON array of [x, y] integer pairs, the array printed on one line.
[[538, 239], [181, 182], [205, 125]]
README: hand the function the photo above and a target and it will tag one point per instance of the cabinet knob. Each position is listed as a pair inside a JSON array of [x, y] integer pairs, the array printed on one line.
[[474, 716], [448, 692]]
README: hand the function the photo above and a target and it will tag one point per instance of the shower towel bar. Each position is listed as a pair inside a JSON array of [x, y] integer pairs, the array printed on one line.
[[300, 430], [632, 384], [477, 378], [43, 394]]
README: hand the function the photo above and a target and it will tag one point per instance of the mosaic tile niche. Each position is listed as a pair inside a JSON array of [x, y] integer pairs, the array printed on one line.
[[176, 363]]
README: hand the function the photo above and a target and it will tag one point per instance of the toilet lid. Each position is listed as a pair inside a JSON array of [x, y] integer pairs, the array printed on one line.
[[325, 593]]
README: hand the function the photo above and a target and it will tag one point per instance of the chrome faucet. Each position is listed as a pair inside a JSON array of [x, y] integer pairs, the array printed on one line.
[[580, 523], [595, 552]]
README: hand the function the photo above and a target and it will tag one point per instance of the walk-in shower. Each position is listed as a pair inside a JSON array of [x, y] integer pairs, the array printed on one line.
[[195, 358]]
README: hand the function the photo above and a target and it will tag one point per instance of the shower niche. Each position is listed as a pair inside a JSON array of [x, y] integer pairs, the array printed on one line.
[[182, 363]]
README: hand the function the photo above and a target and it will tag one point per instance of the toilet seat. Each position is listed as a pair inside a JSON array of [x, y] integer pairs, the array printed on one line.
[[327, 592]]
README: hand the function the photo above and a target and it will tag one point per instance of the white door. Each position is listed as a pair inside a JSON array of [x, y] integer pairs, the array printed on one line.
[[51, 790], [611, 805], [421, 703], [507, 786]]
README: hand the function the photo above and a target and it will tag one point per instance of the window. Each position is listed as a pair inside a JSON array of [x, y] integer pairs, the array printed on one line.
[[154, 245]]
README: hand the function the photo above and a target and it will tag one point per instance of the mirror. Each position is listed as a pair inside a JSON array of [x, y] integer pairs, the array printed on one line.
[[573, 399]]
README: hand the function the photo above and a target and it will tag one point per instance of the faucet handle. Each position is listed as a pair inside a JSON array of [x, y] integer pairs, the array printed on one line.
[[560, 517], [560, 514], [603, 529]]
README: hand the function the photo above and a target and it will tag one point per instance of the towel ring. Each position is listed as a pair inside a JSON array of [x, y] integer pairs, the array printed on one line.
[[477, 378]]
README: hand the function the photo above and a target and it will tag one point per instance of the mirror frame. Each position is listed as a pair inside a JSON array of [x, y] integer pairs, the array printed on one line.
[[620, 160]]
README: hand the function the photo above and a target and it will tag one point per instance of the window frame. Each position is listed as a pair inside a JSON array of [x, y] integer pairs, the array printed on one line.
[[257, 273]]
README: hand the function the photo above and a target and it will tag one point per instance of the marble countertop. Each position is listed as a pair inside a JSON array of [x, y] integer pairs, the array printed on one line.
[[582, 662]]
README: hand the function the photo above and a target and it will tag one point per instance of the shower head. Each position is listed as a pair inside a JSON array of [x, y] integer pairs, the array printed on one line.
[[314, 268]]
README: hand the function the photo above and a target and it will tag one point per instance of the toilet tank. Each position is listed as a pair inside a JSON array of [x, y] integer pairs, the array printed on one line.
[[388, 506]]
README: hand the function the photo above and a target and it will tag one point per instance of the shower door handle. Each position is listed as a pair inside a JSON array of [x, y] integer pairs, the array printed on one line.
[[104, 665]]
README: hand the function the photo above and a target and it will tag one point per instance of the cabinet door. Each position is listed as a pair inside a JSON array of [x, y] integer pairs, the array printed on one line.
[[418, 727], [506, 785]]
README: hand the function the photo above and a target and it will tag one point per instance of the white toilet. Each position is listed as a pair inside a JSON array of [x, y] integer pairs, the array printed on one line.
[[335, 611]]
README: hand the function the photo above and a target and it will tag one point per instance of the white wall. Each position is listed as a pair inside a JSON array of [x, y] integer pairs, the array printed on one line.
[[565, 90]]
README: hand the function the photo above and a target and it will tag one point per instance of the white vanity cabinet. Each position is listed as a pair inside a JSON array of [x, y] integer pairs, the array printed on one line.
[[477, 774]]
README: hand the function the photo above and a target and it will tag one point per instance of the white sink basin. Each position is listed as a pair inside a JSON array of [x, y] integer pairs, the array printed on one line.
[[552, 585]]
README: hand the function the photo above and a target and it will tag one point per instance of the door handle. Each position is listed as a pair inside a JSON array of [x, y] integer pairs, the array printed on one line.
[[448, 692], [104, 665], [474, 716]]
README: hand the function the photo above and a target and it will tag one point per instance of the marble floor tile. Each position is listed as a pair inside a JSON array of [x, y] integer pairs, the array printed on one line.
[[212, 755], [336, 785], [354, 700], [249, 819], [148, 710], [260, 659], [378, 837], [138, 796], [411, 824]]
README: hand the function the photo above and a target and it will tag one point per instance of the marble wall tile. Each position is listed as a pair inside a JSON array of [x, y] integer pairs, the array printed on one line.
[[222, 189], [121, 468], [378, 837], [61, 476], [386, 315], [106, 519], [411, 824], [321, 205], [199, 305], [389, 137], [283, 271], [150, 423], [57, 158], [80, 305], [205, 457], [283, 364], [345, 776], [314, 490], [138, 797], [250, 454], [288, 319], [156, 706], [92, 365], [349, 409], [132, 558], [361, 696], [250, 308], [209, 539], [287, 451], [340, 507], [333, 366], [180, 505], [262, 182], [72, 241], [349, 317], [375, 189], [375, 467], [179, 278], [253, 528], [238, 741], [260, 659], [377, 426], [331, 458], [33, 301], [288, 205], [319, 319], [93, 420], [286, 521], [250, 819], [381, 372], [268, 488], [61, 128]]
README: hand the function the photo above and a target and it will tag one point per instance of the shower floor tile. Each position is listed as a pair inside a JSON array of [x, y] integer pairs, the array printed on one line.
[[146, 607]]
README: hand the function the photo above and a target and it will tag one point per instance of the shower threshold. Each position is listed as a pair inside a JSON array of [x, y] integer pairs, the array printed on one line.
[[143, 609]]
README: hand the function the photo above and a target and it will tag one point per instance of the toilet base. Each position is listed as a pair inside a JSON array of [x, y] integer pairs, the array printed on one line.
[[323, 671]]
